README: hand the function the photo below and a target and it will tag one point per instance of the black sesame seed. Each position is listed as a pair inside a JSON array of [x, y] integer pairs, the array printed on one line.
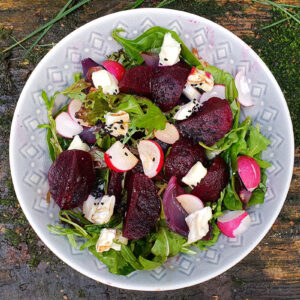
[[126, 153], [153, 159], [189, 111], [165, 59], [110, 156], [122, 127], [115, 128], [116, 90]]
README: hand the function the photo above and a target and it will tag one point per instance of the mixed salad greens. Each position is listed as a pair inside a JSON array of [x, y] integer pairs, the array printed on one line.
[[149, 156]]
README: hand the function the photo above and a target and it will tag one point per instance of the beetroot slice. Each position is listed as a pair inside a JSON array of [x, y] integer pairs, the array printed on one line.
[[209, 124], [115, 185], [167, 85], [71, 178], [144, 207], [182, 157], [214, 182], [137, 81]]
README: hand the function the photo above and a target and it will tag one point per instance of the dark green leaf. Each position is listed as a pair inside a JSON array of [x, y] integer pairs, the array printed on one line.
[[202, 245], [256, 142], [149, 264], [130, 104], [130, 258], [151, 41]]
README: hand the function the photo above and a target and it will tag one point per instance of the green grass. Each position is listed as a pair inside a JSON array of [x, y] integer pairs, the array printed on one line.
[[279, 48]]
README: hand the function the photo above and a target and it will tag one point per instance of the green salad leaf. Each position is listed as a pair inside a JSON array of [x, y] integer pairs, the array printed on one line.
[[202, 245], [151, 41], [256, 142], [225, 78], [75, 91]]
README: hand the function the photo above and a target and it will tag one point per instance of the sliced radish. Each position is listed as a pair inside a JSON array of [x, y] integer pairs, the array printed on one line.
[[243, 89], [152, 157], [114, 68], [119, 158], [74, 107], [66, 127], [190, 203], [217, 91], [249, 172], [191, 93], [234, 223], [169, 135]]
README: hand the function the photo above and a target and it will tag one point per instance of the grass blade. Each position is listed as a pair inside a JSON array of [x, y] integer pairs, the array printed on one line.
[[48, 28], [47, 24], [134, 5], [164, 3]]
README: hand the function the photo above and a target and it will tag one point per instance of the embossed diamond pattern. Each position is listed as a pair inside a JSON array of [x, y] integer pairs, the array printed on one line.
[[212, 256], [158, 273], [186, 265]]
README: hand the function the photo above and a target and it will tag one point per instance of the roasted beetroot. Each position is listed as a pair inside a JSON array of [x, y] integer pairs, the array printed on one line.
[[115, 185], [167, 85], [71, 178], [183, 155], [214, 182], [137, 81], [209, 124], [144, 207]]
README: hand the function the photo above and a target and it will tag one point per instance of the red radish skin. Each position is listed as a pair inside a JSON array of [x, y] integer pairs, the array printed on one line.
[[249, 172], [234, 223], [218, 91], [243, 88], [66, 127], [73, 107], [169, 135], [152, 157], [119, 158], [190, 203], [114, 68]]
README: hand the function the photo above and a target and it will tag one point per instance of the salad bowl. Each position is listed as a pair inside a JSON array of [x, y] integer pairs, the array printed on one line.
[[30, 161]]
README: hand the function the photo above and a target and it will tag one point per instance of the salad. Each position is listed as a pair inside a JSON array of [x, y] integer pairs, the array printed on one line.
[[149, 157]]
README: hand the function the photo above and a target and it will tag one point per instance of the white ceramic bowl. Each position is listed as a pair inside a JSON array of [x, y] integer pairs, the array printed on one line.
[[30, 161]]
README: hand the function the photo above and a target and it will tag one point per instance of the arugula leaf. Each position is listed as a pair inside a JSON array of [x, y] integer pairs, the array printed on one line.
[[52, 139], [114, 261], [149, 264], [202, 245], [231, 199], [75, 91], [122, 58], [77, 76], [218, 208], [256, 142], [130, 104], [152, 119], [130, 258], [151, 41], [225, 78]]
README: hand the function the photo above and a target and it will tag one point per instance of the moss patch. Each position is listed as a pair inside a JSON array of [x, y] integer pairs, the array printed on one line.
[[279, 48]]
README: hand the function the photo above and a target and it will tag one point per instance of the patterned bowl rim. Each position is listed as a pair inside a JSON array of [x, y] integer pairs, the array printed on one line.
[[69, 260]]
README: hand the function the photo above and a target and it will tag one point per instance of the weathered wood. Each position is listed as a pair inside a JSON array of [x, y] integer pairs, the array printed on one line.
[[28, 270]]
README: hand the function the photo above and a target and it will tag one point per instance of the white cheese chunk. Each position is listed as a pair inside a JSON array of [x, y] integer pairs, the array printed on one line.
[[191, 93], [170, 51], [107, 81], [195, 174], [99, 211], [106, 240], [78, 144], [117, 123], [186, 110], [198, 224], [201, 79]]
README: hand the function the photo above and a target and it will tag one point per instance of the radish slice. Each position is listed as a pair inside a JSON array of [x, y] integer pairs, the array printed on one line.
[[191, 93], [217, 91], [114, 68], [169, 135], [66, 127], [119, 158], [243, 89], [234, 223], [73, 107], [152, 157], [190, 203], [249, 172]]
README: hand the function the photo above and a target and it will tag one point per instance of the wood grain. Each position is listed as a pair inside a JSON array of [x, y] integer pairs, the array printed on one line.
[[28, 270]]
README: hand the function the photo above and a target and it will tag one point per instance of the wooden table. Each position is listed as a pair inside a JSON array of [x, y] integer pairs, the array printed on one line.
[[28, 270]]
